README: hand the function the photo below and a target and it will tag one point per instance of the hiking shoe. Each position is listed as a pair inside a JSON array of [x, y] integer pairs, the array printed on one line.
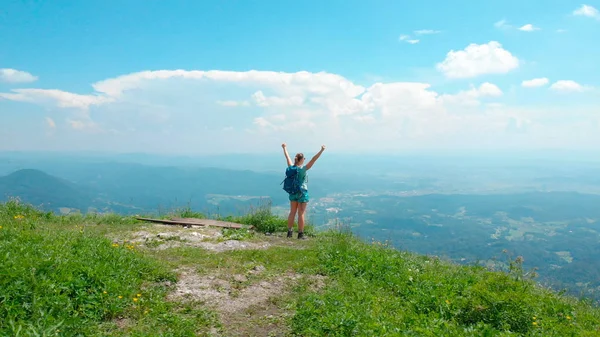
[[290, 233], [301, 236]]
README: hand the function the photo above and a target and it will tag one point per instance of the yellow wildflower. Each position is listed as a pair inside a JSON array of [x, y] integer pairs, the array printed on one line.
[[535, 323], [447, 302], [104, 292], [139, 295], [135, 299], [120, 296], [568, 317], [534, 318]]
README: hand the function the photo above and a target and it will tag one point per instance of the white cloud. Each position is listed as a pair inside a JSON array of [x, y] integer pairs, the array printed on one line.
[[561, 30], [78, 125], [567, 86], [261, 100], [587, 10], [410, 40], [478, 59], [50, 122], [528, 28], [305, 108], [62, 99], [319, 82], [426, 32], [502, 24], [233, 103], [536, 82], [279, 117], [16, 76], [472, 96], [518, 125], [407, 39], [489, 89], [366, 119], [398, 98], [261, 121], [89, 126]]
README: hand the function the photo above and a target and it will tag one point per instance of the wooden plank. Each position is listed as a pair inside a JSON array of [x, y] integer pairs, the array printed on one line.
[[193, 221], [163, 221], [209, 222]]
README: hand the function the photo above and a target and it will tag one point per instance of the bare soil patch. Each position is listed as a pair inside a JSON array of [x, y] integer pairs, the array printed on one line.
[[245, 308], [161, 237]]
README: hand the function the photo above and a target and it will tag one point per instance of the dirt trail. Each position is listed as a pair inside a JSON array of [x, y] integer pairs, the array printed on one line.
[[210, 238], [250, 304], [247, 307]]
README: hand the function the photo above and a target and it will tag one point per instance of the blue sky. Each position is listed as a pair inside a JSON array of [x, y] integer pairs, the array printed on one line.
[[355, 75]]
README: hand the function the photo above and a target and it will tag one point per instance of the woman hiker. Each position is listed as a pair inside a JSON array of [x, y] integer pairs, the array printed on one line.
[[298, 201]]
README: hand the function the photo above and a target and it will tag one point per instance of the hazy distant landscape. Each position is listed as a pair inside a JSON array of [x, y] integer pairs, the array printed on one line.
[[468, 209]]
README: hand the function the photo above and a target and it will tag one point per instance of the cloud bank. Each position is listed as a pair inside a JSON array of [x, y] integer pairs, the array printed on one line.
[[202, 111]]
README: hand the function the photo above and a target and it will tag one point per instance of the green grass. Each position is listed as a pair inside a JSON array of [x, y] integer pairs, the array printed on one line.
[[276, 260], [61, 276], [264, 221], [261, 217], [57, 279], [379, 291]]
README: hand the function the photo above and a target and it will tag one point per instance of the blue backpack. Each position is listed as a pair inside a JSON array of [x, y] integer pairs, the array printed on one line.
[[291, 183]]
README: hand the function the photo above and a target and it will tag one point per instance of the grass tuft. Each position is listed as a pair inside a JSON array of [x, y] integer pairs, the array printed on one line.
[[264, 221]]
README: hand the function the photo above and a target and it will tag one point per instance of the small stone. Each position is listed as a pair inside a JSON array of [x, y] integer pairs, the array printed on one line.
[[240, 278]]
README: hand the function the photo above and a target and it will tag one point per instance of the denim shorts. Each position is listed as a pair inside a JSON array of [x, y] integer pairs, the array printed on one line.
[[300, 197]]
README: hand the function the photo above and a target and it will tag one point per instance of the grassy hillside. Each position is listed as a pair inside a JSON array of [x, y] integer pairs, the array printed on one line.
[[114, 276]]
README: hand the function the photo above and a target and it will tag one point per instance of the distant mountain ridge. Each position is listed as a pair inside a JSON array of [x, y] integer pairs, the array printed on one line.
[[135, 188], [43, 190]]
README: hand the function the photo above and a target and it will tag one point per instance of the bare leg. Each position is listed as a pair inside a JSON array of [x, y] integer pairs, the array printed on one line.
[[301, 210], [292, 215]]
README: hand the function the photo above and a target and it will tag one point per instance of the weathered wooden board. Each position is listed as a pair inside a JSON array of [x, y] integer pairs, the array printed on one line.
[[210, 222], [194, 221]]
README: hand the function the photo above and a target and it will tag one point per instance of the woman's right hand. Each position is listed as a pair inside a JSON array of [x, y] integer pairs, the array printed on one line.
[[283, 145]]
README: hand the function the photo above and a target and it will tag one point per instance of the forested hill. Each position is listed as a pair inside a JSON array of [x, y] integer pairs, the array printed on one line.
[[44, 191]]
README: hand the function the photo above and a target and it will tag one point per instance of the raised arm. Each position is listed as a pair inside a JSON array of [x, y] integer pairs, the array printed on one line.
[[314, 159], [287, 156]]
